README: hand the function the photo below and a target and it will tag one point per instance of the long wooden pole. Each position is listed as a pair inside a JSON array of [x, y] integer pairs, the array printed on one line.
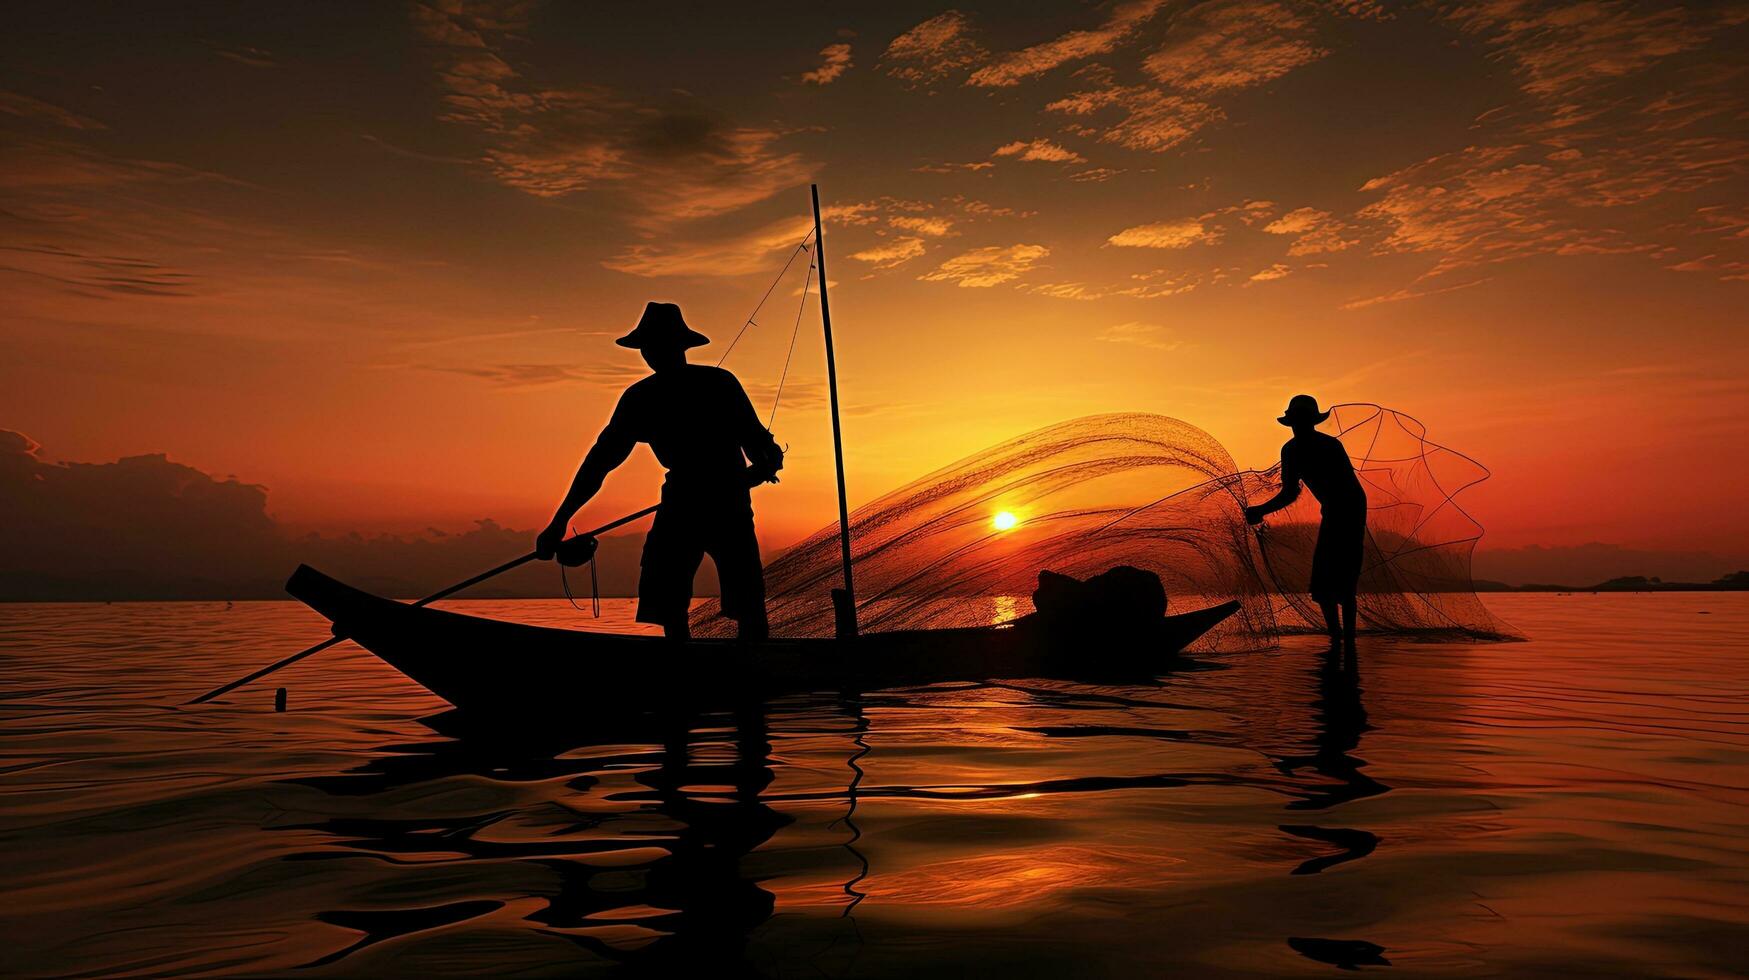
[[442, 594], [845, 605]]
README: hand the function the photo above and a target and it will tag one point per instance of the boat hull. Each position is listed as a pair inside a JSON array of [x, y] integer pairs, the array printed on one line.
[[487, 665]]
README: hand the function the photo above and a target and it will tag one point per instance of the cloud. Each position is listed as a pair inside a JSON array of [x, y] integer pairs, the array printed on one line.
[[750, 252], [253, 57], [892, 253], [1488, 204], [836, 63], [1233, 45], [1166, 234], [1040, 149], [669, 165], [129, 275], [525, 376], [25, 107], [934, 227], [1276, 271], [145, 527], [1011, 69], [1316, 232], [1560, 50], [934, 49], [950, 168], [1150, 335], [1037, 150], [1151, 119], [1408, 292], [1095, 174], [986, 267]]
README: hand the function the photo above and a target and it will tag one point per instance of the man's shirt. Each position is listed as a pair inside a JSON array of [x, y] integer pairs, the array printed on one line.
[[698, 421]]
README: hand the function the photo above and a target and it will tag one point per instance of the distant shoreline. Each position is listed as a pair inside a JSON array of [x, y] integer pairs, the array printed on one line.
[[1734, 582]]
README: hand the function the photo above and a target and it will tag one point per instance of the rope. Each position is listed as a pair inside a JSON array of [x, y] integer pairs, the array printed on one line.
[[794, 333], [802, 247], [594, 584]]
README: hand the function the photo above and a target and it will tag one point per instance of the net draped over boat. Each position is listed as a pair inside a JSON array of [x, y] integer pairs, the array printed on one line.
[[1082, 496]]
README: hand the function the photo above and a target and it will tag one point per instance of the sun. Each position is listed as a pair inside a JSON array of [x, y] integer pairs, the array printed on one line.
[[1005, 521]]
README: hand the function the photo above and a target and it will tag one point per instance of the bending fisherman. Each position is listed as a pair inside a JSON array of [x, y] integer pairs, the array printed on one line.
[[1322, 464], [703, 430]]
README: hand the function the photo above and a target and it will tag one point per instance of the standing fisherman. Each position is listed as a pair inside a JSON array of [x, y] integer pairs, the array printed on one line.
[[703, 430], [1321, 462]]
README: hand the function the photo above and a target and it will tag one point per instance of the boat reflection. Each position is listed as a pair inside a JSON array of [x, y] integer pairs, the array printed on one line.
[[652, 876], [691, 903]]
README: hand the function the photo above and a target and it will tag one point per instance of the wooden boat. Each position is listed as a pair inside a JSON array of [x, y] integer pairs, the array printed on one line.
[[487, 665]]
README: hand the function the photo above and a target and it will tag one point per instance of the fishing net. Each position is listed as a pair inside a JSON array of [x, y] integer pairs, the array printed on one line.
[[964, 545], [1415, 576]]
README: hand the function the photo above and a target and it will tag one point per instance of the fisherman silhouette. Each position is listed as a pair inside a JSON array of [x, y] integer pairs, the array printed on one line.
[[1322, 464], [703, 430]]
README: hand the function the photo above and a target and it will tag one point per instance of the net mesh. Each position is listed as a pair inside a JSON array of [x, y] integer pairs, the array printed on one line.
[[1145, 490]]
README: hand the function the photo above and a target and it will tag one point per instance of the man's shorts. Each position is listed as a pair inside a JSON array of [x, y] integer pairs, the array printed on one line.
[[678, 541]]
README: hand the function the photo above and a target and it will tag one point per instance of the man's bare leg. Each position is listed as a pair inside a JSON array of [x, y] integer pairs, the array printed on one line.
[[1348, 617], [1331, 624], [678, 629]]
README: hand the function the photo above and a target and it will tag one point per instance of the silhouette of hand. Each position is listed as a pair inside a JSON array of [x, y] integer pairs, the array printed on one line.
[[547, 543], [1254, 515]]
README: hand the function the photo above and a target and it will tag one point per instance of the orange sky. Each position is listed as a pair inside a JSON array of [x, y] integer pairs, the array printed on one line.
[[373, 258]]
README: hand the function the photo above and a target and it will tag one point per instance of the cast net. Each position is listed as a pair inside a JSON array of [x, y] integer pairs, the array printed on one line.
[[964, 545]]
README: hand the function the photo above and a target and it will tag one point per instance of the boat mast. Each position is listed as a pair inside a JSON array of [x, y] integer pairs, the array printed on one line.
[[843, 600]]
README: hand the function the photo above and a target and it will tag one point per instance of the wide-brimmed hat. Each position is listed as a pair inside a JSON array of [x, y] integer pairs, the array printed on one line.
[[1302, 410], [662, 326]]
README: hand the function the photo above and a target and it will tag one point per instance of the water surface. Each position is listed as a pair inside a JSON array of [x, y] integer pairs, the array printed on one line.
[[1569, 805]]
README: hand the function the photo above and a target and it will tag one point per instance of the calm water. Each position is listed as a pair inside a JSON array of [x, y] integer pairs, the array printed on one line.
[[1570, 805]]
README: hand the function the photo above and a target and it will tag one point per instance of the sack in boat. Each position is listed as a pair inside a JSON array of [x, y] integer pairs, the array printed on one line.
[[1121, 600]]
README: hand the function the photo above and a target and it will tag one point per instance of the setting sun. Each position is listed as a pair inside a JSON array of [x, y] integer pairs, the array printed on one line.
[[1005, 521]]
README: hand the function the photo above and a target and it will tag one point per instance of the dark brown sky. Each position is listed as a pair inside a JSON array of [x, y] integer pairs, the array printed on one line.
[[370, 255]]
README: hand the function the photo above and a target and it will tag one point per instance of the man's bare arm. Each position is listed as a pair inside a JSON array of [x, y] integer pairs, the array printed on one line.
[[611, 449], [1289, 492], [757, 442]]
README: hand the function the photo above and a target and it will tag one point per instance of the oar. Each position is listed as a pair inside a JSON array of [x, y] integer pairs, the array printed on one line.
[[452, 590]]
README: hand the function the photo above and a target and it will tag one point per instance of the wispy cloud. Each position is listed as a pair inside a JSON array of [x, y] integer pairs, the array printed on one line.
[[1122, 23], [1166, 234], [1409, 292], [1150, 335], [669, 164], [836, 61], [245, 55], [940, 46], [931, 226], [1315, 231], [26, 107], [985, 267], [1233, 45], [1558, 50], [891, 253], [1040, 150], [734, 255], [1150, 119]]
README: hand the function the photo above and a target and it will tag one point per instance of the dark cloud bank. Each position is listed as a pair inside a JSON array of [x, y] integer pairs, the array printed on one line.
[[144, 527]]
